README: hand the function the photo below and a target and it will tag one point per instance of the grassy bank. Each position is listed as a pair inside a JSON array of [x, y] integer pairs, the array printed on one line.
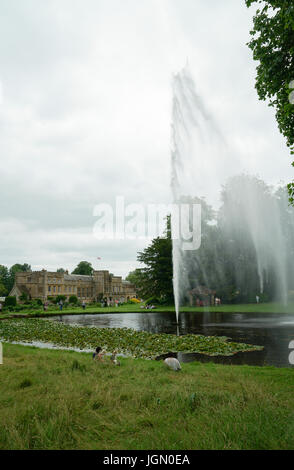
[[238, 308], [63, 400]]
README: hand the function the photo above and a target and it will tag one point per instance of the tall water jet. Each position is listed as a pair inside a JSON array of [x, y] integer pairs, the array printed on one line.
[[246, 226], [194, 137]]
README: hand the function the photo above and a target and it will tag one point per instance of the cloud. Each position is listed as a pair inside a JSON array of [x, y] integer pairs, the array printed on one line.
[[86, 111]]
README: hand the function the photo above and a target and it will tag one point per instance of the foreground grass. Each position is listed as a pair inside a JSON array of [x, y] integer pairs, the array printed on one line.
[[271, 307], [64, 400]]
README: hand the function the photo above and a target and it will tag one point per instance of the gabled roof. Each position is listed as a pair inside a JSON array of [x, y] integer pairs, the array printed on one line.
[[17, 290]]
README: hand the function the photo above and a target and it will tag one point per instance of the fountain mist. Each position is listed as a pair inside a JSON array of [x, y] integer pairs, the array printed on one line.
[[244, 242]]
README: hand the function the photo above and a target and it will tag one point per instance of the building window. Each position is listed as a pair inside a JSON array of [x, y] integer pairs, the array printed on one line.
[[59, 288], [69, 289], [49, 288]]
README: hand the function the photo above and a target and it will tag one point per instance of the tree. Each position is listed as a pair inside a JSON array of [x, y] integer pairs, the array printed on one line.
[[272, 44], [15, 269], [3, 290], [4, 280], [134, 277], [61, 270], [84, 268], [155, 280]]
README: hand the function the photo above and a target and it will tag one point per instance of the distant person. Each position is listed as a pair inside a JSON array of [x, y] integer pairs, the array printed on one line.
[[257, 299], [98, 354], [1, 306], [45, 306], [84, 305], [97, 350], [60, 305]]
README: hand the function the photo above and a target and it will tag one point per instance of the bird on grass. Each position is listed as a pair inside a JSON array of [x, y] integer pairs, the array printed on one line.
[[172, 363], [113, 359]]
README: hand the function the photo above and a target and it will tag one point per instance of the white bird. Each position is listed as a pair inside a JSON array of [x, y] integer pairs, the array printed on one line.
[[172, 363]]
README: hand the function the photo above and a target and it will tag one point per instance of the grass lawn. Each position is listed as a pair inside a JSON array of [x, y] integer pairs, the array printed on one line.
[[238, 308], [64, 400]]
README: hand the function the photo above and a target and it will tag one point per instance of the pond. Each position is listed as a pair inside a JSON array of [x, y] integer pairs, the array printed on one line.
[[273, 331]]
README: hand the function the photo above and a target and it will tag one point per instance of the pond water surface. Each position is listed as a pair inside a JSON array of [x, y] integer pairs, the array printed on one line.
[[274, 331]]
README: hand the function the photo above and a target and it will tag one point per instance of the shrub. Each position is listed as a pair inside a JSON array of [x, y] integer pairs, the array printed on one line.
[[73, 299], [23, 297], [59, 298], [10, 301]]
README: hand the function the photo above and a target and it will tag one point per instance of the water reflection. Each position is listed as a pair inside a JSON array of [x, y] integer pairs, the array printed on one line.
[[273, 331]]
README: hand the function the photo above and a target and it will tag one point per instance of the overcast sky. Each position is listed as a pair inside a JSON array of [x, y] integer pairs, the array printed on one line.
[[85, 114]]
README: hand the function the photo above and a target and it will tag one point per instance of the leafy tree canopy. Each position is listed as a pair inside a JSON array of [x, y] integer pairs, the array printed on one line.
[[3, 290], [134, 277], [15, 269], [84, 268], [155, 279], [272, 44]]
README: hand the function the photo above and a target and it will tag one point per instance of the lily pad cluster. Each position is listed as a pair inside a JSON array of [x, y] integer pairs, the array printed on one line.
[[125, 340]]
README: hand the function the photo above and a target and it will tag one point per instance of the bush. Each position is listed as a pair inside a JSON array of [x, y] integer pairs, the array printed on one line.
[[10, 301], [73, 299], [19, 308], [59, 298], [23, 297]]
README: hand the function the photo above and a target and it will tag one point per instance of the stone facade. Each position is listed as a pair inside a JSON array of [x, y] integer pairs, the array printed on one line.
[[44, 284]]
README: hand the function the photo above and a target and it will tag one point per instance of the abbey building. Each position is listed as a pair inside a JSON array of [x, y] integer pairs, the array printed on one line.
[[43, 285]]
